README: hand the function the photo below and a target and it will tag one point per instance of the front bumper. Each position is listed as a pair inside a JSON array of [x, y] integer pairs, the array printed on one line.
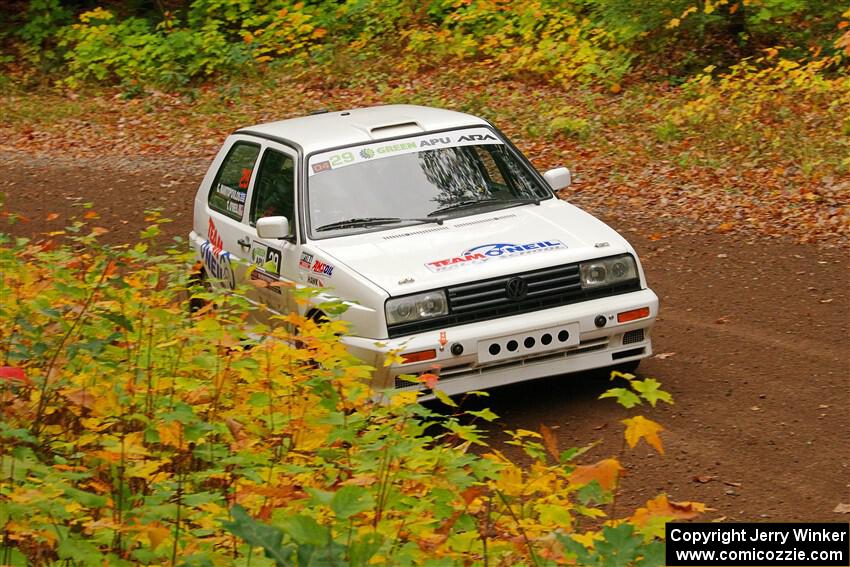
[[523, 352]]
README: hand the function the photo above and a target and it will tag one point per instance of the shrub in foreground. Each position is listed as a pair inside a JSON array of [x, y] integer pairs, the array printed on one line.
[[134, 432]]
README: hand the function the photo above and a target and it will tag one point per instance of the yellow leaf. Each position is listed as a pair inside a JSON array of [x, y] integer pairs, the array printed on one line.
[[605, 472], [639, 427], [170, 433], [156, 533]]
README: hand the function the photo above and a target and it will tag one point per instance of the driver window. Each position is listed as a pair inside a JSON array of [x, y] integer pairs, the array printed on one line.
[[274, 189]]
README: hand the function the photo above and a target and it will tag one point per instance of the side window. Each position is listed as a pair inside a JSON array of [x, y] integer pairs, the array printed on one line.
[[274, 190], [230, 187], [489, 163]]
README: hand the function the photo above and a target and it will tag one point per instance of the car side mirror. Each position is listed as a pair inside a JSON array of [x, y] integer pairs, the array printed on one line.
[[558, 178], [273, 227]]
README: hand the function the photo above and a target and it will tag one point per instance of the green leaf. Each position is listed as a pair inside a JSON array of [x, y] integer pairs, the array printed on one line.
[[79, 550], [362, 550], [351, 500], [653, 555], [444, 397], [620, 547], [257, 534], [87, 499], [624, 397], [649, 390], [485, 414], [306, 531]]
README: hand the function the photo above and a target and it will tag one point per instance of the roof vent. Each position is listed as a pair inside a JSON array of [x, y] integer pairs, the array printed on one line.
[[399, 129]]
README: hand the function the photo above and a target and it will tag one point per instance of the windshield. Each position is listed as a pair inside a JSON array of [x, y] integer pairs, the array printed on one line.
[[381, 185]]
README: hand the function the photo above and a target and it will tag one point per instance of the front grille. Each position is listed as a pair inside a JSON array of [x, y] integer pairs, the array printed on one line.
[[488, 299], [632, 337]]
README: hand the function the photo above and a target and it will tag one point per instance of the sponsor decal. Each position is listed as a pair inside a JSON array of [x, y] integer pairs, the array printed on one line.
[[321, 166], [315, 282], [214, 237], [476, 138], [266, 258], [261, 276], [306, 261], [245, 180], [217, 263], [320, 267], [335, 159], [486, 252]]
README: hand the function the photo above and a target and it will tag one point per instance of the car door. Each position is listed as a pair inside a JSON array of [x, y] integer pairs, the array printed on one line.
[[226, 252], [274, 194]]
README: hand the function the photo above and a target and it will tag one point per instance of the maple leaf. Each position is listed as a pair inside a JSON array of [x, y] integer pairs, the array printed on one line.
[[605, 472], [661, 507], [649, 390], [429, 379], [639, 427], [550, 441], [156, 533], [14, 374]]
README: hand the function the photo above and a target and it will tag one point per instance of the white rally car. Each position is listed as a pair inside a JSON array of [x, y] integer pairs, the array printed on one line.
[[446, 243]]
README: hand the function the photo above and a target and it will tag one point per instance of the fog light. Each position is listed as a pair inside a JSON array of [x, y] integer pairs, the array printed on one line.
[[600, 321], [418, 356], [632, 315], [457, 349]]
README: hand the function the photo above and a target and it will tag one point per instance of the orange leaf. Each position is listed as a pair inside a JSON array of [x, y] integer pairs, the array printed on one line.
[[170, 433], [429, 380], [81, 398], [99, 230], [639, 427], [52, 216], [660, 506], [550, 441], [90, 215], [725, 227], [605, 472]]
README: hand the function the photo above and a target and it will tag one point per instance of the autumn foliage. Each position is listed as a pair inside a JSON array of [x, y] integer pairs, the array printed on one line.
[[136, 432]]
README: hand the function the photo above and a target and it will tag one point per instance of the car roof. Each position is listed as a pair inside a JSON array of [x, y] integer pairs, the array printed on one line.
[[362, 125]]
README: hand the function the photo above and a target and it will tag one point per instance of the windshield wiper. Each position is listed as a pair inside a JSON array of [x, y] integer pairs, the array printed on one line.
[[372, 221], [467, 203]]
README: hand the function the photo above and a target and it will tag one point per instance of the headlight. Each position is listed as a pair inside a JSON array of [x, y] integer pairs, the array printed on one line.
[[416, 307], [607, 271]]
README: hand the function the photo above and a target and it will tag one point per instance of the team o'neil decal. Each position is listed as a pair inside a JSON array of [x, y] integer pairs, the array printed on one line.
[[487, 252], [216, 259]]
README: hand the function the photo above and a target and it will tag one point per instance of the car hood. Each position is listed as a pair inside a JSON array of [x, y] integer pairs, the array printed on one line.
[[471, 248]]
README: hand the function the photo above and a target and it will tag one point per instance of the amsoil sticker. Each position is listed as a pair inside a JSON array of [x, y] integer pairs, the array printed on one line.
[[486, 252], [335, 159], [322, 268]]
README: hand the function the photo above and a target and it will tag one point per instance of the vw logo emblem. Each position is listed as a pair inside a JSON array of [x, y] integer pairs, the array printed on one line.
[[516, 288]]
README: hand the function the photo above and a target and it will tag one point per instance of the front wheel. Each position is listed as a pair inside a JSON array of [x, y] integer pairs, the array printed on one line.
[[629, 367], [199, 278]]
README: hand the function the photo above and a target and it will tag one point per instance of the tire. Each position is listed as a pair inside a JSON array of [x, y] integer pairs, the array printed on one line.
[[195, 303], [629, 367]]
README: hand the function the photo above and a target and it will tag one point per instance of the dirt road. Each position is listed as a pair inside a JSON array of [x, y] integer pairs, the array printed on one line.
[[752, 342]]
